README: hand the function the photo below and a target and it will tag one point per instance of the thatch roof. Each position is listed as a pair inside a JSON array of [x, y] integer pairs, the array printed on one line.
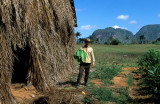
[[47, 28], [74, 12]]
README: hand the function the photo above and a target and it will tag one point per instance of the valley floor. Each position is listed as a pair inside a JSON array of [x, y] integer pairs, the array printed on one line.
[[114, 80]]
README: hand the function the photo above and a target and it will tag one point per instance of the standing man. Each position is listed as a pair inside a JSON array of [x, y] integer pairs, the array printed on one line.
[[90, 60]]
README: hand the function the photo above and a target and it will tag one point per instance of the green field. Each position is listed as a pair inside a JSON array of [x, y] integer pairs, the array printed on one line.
[[110, 59], [125, 55]]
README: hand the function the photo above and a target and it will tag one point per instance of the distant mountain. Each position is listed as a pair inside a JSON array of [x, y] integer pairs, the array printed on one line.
[[150, 32], [122, 35]]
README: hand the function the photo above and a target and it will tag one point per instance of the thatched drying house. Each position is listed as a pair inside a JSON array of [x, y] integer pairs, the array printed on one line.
[[36, 43]]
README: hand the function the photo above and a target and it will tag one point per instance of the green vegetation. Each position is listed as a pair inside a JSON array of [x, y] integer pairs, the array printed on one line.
[[130, 81], [109, 61], [102, 94], [78, 34], [125, 55], [134, 41], [105, 73], [150, 69], [112, 41], [142, 39], [71, 79], [106, 95], [157, 42], [93, 39], [115, 42]]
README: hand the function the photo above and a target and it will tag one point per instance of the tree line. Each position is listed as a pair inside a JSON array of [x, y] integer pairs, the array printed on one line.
[[112, 41]]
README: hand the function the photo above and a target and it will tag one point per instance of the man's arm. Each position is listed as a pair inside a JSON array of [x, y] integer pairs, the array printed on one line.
[[93, 59]]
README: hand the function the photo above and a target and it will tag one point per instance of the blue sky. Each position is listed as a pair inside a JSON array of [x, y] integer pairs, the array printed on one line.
[[127, 14]]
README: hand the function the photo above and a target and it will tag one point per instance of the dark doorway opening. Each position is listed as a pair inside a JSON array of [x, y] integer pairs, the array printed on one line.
[[21, 65]]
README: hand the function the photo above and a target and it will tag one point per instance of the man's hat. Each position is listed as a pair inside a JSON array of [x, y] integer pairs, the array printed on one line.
[[87, 40]]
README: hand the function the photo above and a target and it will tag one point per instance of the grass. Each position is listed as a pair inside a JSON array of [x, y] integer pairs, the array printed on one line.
[[102, 94], [130, 81], [105, 73], [106, 95], [125, 55]]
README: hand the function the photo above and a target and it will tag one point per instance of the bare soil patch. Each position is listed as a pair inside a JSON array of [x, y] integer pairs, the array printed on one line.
[[24, 95], [120, 81], [130, 69], [97, 82]]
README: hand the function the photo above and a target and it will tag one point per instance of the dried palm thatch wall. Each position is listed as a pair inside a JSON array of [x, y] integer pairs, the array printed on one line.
[[47, 27]]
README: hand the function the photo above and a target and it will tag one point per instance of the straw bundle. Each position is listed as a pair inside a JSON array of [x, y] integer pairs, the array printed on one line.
[[47, 27]]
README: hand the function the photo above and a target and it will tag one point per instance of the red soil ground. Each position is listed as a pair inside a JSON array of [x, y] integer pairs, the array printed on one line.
[[97, 82], [23, 94], [26, 95]]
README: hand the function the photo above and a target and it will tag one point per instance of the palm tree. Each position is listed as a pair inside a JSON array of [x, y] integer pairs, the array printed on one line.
[[142, 38], [78, 34]]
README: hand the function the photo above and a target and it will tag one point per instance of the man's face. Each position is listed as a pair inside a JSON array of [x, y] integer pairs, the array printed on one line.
[[87, 43]]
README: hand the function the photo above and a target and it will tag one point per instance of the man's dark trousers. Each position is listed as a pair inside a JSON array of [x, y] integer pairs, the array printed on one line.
[[86, 67]]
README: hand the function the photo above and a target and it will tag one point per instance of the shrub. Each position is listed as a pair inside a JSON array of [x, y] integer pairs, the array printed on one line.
[[115, 42], [134, 41], [157, 43], [150, 69]]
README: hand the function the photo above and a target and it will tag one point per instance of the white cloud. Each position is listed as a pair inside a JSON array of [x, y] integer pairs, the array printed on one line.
[[78, 10], [87, 27], [158, 15], [133, 22], [117, 27], [123, 17]]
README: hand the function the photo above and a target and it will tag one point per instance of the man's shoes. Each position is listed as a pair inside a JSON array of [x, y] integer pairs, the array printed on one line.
[[77, 86], [86, 84]]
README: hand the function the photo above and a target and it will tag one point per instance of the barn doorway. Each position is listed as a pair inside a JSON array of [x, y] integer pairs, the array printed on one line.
[[21, 65]]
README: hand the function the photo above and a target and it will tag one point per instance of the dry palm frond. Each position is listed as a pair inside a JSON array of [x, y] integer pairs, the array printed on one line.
[[47, 27]]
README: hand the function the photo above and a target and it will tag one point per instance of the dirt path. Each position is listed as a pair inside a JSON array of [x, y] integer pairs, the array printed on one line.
[[135, 93], [121, 79]]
